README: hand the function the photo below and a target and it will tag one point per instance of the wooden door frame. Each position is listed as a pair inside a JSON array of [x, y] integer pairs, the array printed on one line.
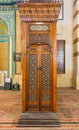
[[24, 65]]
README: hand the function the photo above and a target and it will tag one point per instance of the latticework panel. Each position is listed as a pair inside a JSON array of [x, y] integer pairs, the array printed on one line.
[[32, 81], [46, 81], [46, 70]]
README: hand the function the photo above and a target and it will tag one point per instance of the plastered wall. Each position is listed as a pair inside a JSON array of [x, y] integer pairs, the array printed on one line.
[[64, 32]]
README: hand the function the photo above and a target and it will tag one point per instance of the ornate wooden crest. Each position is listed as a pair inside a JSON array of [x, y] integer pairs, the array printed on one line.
[[31, 12]]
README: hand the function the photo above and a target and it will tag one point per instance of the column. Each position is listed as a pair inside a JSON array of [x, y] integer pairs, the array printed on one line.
[[18, 40], [76, 44], [10, 73]]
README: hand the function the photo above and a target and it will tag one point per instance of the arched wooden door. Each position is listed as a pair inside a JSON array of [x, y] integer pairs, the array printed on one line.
[[39, 67]]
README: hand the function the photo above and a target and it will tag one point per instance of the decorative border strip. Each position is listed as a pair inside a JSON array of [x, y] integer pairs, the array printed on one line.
[[60, 122], [7, 8], [4, 39], [76, 54], [8, 2]]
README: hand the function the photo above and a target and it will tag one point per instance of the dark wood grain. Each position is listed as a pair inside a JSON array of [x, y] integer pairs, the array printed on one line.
[[54, 68]]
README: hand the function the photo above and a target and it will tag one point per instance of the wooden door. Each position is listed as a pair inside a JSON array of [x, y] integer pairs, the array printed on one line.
[[39, 88], [39, 68]]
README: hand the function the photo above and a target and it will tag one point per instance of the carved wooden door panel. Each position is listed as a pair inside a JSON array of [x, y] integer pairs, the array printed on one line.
[[45, 79], [39, 75]]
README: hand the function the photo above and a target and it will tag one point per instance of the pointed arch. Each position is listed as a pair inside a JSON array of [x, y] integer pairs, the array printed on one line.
[[3, 28]]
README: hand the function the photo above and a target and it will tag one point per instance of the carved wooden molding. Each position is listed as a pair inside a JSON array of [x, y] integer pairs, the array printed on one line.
[[39, 12]]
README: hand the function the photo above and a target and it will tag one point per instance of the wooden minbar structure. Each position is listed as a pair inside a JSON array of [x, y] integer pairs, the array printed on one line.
[[39, 70]]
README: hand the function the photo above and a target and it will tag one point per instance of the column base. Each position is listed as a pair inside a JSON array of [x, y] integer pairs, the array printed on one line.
[[38, 119], [76, 82]]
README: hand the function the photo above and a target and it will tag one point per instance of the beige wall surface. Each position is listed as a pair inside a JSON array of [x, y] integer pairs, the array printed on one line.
[[64, 32]]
